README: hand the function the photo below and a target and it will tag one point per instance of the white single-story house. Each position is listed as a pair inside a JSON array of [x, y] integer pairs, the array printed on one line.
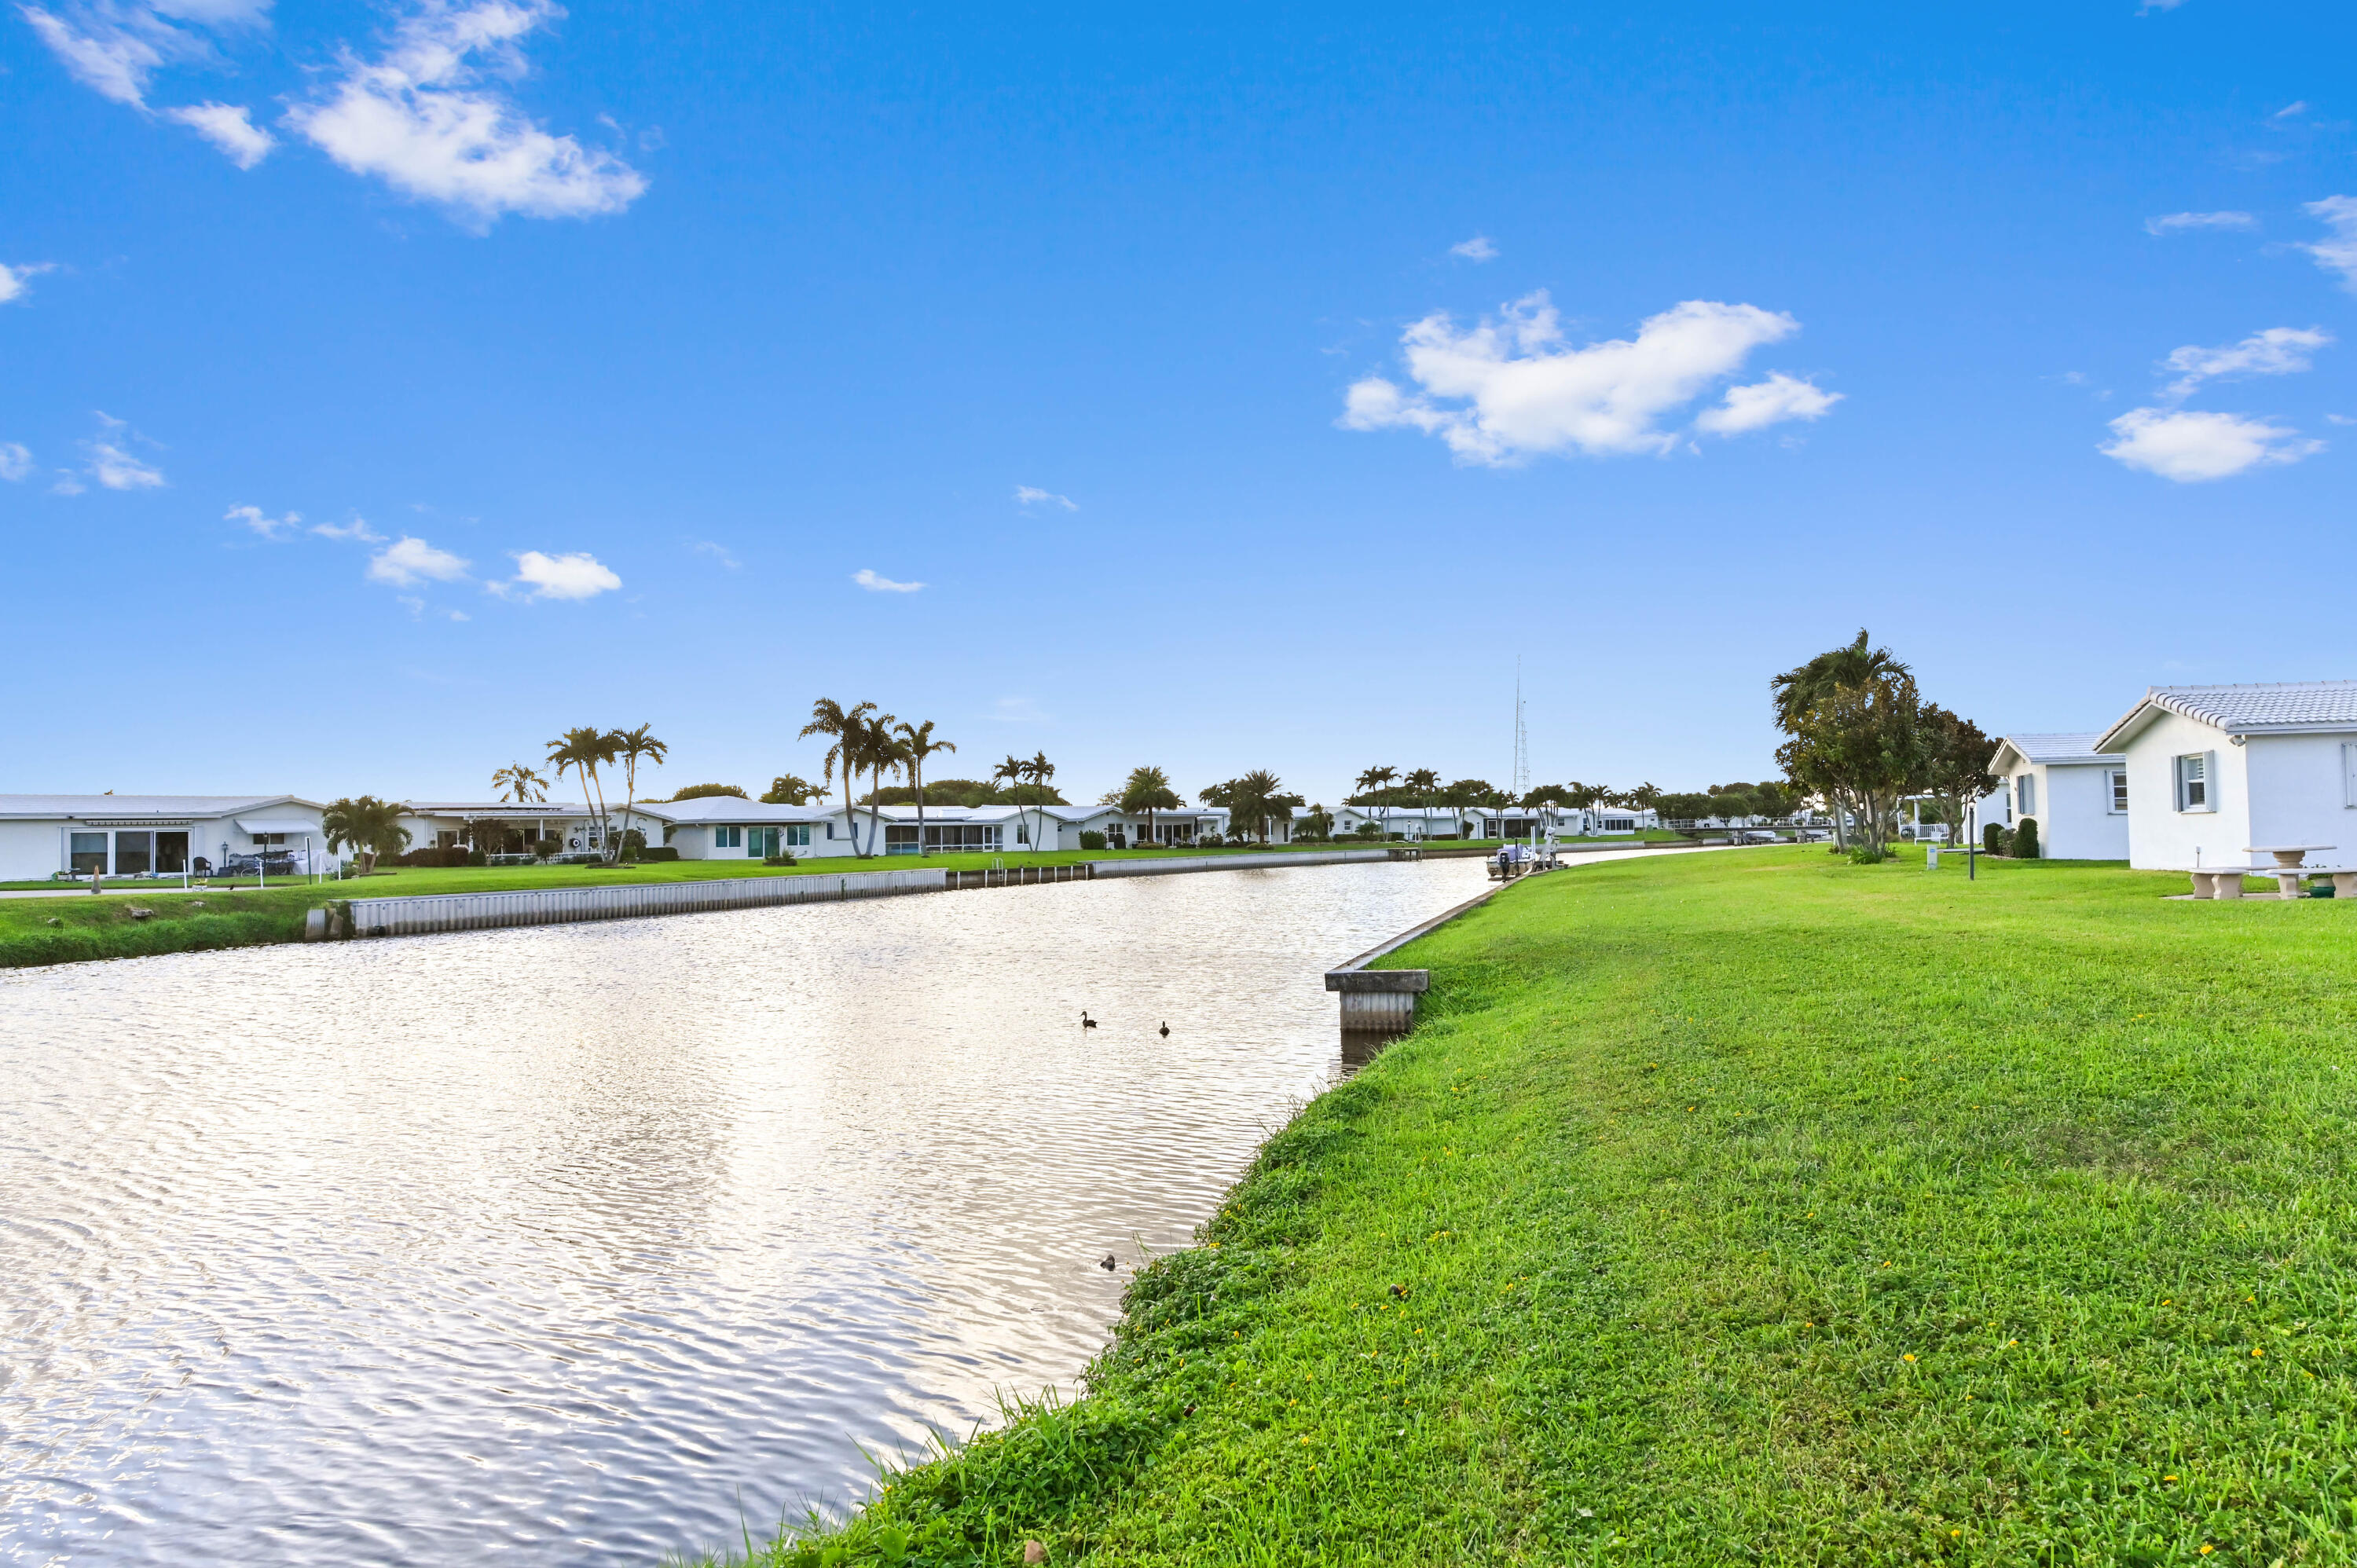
[[2077, 794], [492, 825], [2216, 771], [728, 827], [157, 835], [1418, 822]]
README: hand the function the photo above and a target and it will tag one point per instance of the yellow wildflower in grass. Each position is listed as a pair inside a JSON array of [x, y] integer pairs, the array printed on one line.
[[1908, 1357], [2207, 1549]]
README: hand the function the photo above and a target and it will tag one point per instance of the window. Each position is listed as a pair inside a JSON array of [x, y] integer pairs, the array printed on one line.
[[134, 854], [1022, 832], [761, 842], [728, 838], [798, 835], [275, 841], [955, 836], [901, 838], [2024, 789], [87, 853], [172, 853], [2118, 780], [2193, 782]]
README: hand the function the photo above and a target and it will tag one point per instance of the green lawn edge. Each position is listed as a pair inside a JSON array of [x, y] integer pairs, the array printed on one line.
[[206, 917], [1754, 1208]]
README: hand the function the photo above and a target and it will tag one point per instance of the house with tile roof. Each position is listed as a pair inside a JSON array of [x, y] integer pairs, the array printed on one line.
[[2076, 792], [2216, 771]]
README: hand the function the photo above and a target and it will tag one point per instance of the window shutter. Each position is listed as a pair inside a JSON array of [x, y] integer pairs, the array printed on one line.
[[2209, 780], [2348, 773]]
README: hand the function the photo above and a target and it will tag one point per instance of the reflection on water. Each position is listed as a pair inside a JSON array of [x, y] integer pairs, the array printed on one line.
[[548, 1246]]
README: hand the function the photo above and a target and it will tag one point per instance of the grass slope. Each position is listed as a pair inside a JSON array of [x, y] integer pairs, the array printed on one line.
[[1756, 1207]]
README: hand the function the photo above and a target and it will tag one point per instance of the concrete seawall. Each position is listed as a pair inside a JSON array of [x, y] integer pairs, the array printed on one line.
[[560, 906], [429, 913]]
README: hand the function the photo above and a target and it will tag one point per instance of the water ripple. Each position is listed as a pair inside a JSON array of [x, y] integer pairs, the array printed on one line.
[[548, 1246]]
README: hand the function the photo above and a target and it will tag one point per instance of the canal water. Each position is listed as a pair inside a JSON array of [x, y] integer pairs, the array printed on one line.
[[580, 1245]]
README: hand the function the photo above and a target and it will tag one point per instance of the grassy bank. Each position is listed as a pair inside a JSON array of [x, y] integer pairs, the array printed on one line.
[[44, 930], [1758, 1208]]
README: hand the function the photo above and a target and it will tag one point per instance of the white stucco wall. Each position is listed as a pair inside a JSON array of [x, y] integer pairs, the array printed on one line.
[[2298, 794], [31, 851], [2161, 837], [2075, 820]]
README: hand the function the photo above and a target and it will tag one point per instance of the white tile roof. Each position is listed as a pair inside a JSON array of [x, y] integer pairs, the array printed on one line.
[[2057, 751], [495, 808], [2272, 708], [723, 808], [56, 806]]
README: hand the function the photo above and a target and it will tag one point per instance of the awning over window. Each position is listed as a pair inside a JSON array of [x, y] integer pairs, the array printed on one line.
[[259, 825]]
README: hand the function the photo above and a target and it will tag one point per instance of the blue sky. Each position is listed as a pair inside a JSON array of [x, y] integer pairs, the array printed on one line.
[[391, 387]]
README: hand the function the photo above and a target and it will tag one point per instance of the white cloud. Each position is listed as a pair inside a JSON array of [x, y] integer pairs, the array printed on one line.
[[409, 561], [1477, 249], [2277, 351], [116, 469], [879, 584], [113, 45], [261, 522], [16, 461], [424, 119], [2339, 253], [357, 531], [2190, 447], [1017, 711], [230, 127], [2298, 106], [578, 576], [1758, 406], [13, 279], [114, 49], [1521, 391], [1029, 495], [2177, 222], [720, 554]]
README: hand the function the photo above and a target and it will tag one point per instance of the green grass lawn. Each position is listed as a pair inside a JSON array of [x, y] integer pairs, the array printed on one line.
[[1758, 1208], [62, 931]]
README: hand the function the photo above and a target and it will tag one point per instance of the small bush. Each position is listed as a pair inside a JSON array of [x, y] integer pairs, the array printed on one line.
[[660, 852], [542, 849], [1995, 840], [1091, 839], [1866, 854], [1209, 840], [476, 857], [1369, 831], [781, 858], [2025, 839]]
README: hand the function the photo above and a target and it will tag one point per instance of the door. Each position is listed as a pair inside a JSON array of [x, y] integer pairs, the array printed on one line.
[[171, 853]]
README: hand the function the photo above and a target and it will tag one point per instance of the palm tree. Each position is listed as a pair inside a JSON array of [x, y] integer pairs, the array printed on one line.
[[1260, 794], [918, 742], [882, 752], [1857, 664], [631, 744], [369, 825], [1422, 785], [1039, 770], [1147, 791], [581, 750], [524, 787], [829, 717]]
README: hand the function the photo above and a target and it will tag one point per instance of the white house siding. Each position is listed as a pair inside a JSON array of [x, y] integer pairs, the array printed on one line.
[[2160, 836], [2300, 793], [39, 843], [2075, 820]]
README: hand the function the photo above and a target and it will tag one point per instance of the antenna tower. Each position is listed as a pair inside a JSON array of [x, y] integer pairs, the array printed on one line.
[[1522, 737]]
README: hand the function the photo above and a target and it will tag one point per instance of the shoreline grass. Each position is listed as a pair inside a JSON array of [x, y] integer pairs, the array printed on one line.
[[36, 932], [1756, 1207]]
